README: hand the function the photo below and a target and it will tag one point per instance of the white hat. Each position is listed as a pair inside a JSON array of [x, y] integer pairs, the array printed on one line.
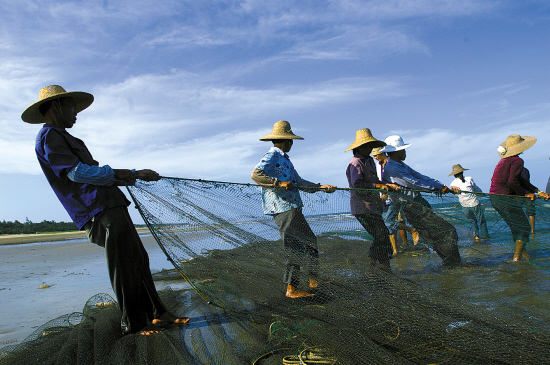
[[394, 143]]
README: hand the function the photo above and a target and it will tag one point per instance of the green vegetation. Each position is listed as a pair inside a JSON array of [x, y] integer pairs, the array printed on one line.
[[30, 227]]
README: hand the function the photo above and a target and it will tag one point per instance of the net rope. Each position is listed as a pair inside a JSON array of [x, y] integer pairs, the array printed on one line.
[[231, 255]]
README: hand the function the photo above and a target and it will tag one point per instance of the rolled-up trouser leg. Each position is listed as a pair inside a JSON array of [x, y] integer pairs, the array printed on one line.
[[128, 265], [380, 249], [435, 230], [389, 216], [300, 245]]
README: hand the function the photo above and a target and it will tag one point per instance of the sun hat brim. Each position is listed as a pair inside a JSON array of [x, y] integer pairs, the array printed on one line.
[[457, 171], [275, 136], [81, 99], [375, 143], [526, 143], [281, 130]]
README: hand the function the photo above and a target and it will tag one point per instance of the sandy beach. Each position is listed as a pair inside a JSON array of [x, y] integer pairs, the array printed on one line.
[[51, 275], [15, 239]]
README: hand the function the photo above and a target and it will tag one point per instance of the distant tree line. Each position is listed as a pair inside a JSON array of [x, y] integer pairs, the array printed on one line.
[[30, 227]]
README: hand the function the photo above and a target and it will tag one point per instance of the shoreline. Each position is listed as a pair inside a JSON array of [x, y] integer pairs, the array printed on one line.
[[23, 238]]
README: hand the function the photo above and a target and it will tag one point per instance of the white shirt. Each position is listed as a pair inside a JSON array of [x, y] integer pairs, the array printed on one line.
[[465, 199]]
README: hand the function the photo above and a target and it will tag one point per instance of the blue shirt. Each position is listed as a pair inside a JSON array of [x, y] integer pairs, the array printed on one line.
[[277, 165], [58, 153], [401, 174]]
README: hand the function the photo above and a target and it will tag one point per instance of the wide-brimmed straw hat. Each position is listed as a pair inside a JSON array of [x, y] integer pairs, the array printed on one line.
[[364, 136], [457, 169], [394, 143], [376, 151], [514, 145], [281, 130], [32, 114]]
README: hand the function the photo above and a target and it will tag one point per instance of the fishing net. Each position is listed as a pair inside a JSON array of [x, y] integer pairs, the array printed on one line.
[[233, 260]]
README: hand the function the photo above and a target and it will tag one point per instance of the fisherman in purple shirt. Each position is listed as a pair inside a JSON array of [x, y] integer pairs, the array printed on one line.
[[89, 194], [367, 206], [509, 189]]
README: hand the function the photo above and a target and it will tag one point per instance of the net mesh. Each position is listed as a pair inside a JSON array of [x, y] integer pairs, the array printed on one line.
[[231, 255]]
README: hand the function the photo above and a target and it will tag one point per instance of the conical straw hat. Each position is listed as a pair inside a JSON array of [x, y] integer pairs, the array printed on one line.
[[81, 99], [457, 169], [363, 136], [514, 145], [281, 130]]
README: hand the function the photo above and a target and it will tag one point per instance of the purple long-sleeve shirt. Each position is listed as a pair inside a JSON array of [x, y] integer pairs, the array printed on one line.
[[361, 174], [507, 178], [58, 153]]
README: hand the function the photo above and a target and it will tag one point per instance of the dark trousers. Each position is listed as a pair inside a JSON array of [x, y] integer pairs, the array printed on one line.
[[128, 265], [380, 249], [511, 210], [439, 233], [300, 245]]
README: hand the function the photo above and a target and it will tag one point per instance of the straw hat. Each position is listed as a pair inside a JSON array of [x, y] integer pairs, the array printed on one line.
[[81, 99], [514, 145], [376, 151], [457, 169], [394, 143], [281, 130], [364, 136]]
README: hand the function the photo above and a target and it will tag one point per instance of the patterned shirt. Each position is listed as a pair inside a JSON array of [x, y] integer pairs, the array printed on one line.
[[276, 164]]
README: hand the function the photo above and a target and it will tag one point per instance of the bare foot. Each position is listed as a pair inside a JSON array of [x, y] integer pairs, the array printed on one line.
[[292, 292], [313, 283], [148, 331], [415, 236], [168, 317], [145, 331], [298, 294]]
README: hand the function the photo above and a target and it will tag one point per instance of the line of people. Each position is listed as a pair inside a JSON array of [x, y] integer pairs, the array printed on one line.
[[92, 199], [378, 213]]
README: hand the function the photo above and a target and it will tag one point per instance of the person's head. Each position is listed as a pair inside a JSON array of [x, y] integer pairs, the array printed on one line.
[[283, 144], [395, 148], [515, 145], [55, 102], [458, 171], [364, 143], [59, 112], [281, 136], [379, 156], [399, 156]]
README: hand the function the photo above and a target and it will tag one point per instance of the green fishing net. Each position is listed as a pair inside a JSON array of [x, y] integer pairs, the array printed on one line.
[[228, 272]]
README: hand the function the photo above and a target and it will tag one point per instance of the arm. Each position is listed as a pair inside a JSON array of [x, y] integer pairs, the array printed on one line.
[[261, 178], [402, 175], [519, 185], [106, 176]]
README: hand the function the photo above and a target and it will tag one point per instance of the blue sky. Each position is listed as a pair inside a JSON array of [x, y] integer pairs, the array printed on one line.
[[188, 87]]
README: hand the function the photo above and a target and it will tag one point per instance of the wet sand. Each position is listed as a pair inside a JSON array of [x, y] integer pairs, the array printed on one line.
[[40, 281], [15, 239]]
